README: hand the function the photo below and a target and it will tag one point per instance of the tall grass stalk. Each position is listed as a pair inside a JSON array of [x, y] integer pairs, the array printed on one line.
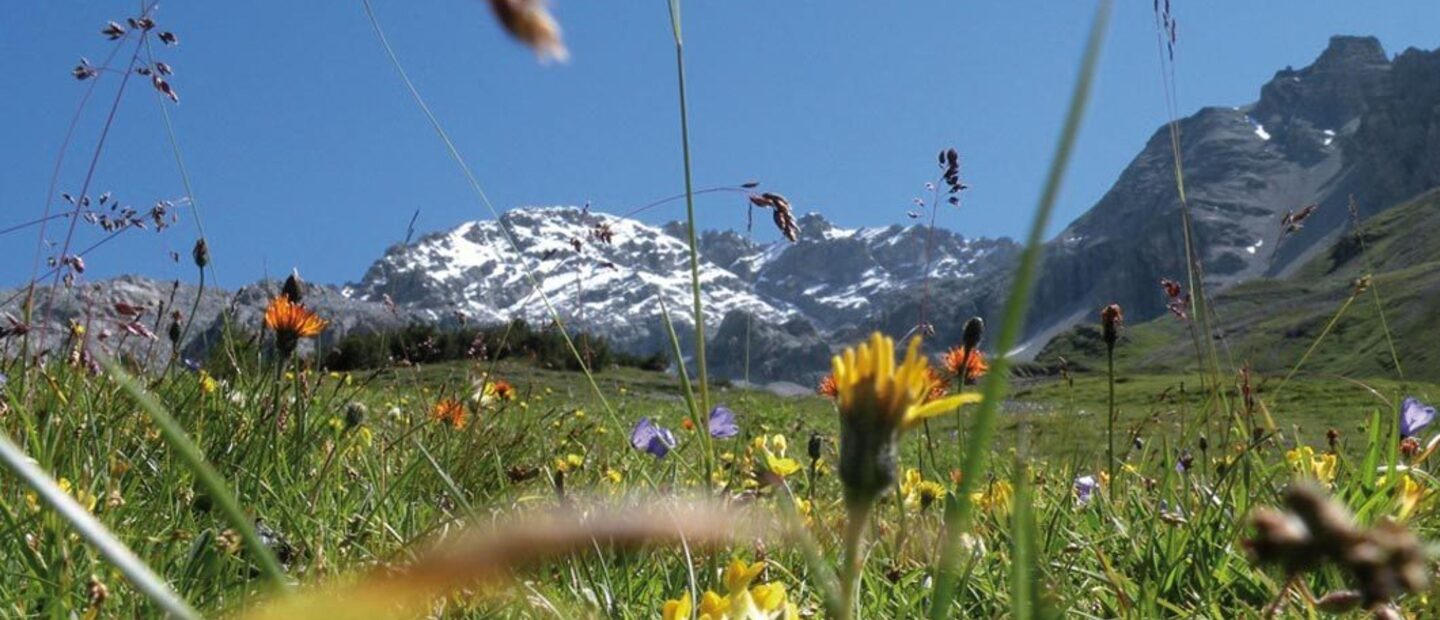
[[1275, 396], [976, 457], [479, 190], [1110, 420], [85, 187], [688, 392], [700, 370], [1210, 374], [94, 532], [1375, 288]]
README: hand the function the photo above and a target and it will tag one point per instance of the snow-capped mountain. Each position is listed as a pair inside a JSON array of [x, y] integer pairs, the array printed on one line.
[[601, 273], [609, 275]]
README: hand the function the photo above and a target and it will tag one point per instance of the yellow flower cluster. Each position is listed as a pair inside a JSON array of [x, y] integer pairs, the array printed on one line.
[[569, 463], [741, 601], [1306, 463]]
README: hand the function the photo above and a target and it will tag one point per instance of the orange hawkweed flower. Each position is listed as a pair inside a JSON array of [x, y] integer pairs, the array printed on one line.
[[449, 411], [975, 365], [503, 390], [291, 322], [827, 387], [938, 384]]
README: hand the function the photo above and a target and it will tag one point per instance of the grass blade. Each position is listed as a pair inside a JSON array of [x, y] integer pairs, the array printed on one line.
[[977, 452], [701, 374], [93, 531], [190, 455]]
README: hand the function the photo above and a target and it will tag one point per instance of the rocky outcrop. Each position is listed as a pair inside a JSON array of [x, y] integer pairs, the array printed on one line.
[[1352, 124]]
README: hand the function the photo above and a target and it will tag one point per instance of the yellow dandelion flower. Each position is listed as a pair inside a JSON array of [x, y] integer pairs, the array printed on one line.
[[878, 400]]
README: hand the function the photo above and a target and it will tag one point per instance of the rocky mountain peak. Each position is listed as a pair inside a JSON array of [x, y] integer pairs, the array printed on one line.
[[1351, 53], [1328, 93]]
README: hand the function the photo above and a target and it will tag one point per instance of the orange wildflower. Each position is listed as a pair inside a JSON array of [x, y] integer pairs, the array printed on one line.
[[291, 322], [503, 390], [975, 364], [938, 384], [449, 411], [827, 387]]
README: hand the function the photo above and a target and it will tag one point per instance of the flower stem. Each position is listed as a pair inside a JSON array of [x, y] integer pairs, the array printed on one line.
[[702, 376], [856, 521], [1110, 428]]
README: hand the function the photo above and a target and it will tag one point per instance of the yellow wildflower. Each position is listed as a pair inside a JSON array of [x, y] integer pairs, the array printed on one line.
[[878, 400], [677, 609], [738, 575], [1306, 463], [208, 384], [713, 606], [571, 462], [996, 497], [1409, 495]]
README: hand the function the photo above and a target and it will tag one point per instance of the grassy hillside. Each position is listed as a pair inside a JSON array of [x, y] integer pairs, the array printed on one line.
[[1272, 322]]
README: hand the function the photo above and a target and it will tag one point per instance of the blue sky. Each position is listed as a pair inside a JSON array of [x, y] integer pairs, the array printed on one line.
[[305, 150]]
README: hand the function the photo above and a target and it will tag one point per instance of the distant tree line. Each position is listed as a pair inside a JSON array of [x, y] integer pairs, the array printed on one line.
[[420, 343]]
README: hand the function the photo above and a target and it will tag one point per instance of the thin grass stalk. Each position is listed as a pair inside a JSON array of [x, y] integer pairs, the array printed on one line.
[[485, 199], [1375, 289], [1195, 275], [194, 460], [184, 171], [958, 514], [94, 532], [688, 392], [700, 370], [89, 177], [1022, 576], [1110, 425], [50, 192], [1275, 397]]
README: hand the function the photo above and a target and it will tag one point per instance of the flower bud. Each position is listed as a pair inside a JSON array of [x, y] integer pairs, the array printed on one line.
[[201, 253], [974, 330], [1111, 318], [813, 448], [292, 287], [354, 414]]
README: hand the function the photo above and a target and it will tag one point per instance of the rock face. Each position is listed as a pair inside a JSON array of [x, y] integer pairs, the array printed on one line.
[[793, 350], [94, 305], [1353, 123]]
